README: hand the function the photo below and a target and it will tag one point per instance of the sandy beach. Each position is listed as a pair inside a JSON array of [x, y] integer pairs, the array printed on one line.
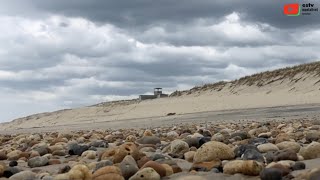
[[301, 89]]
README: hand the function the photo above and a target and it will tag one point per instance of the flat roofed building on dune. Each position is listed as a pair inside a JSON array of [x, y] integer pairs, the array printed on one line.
[[157, 93]]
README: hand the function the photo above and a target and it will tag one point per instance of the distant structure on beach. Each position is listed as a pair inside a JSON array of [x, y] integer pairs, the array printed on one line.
[[157, 93]]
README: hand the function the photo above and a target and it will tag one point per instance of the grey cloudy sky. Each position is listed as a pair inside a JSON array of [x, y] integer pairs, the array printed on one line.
[[63, 54]]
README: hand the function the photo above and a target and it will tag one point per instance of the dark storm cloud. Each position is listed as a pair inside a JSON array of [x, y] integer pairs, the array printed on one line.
[[140, 13]]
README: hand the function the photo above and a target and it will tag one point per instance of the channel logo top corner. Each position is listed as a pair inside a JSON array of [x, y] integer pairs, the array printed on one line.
[[292, 9]]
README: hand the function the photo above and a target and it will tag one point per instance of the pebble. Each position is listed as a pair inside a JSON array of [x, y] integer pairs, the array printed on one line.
[[102, 163], [286, 154], [108, 173], [265, 135], [284, 168], [169, 170], [252, 154], [299, 166], [54, 161], [157, 156], [191, 177], [239, 150], [189, 156], [156, 166], [147, 133], [2, 169], [34, 154], [131, 138], [59, 153], [149, 140], [242, 134], [314, 174], [213, 150], [142, 161], [9, 171], [56, 148], [172, 134], [24, 175], [128, 167], [38, 161], [206, 133], [206, 166], [271, 174], [117, 154], [311, 174], [281, 126], [218, 137], [312, 136], [192, 142], [99, 143], [246, 167], [14, 155], [258, 141], [197, 136], [79, 172], [42, 150], [176, 169], [264, 148], [146, 174], [3, 155], [130, 149], [178, 146], [13, 163], [147, 149], [204, 140], [89, 154], [289, 145], [64, 169], [76, 149], [282, 137], [312, 151]]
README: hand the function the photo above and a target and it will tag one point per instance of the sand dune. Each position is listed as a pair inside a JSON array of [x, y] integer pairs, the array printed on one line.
[[289, 86]]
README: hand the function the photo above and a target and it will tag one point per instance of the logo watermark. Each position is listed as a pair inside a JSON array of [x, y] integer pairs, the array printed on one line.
[[297, 9]]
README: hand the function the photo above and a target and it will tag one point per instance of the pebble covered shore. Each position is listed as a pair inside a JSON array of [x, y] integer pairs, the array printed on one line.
[[248, 150]]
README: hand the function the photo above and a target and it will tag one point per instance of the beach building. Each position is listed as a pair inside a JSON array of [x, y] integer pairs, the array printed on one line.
[[157, 93]]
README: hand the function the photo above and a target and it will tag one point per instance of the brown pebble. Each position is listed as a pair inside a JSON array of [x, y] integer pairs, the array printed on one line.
[[284, 170], [80, 171], [34, 154], [107, 170], [146, 174], [54, 161], [286, 154], [3, 155], [156, 166], [25, 155], [169, 170], [142, 161], [206, 165], [147, 133], [193, 172], [23, 159], [59, 153], [110, 176], [176, 169]]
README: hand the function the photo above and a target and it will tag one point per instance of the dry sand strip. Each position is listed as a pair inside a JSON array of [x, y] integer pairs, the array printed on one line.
[[280, 113]]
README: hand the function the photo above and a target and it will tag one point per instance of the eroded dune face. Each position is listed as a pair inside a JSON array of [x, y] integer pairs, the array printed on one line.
[[247, 150]]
